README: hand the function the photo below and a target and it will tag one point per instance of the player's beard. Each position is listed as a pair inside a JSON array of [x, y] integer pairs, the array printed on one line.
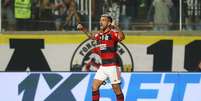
[[103, 28]]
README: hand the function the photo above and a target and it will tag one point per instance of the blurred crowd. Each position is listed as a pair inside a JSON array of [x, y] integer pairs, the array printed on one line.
[[64, 15]]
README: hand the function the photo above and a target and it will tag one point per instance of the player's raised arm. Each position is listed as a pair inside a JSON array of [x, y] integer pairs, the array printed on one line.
[[120, 33], [81, 28]]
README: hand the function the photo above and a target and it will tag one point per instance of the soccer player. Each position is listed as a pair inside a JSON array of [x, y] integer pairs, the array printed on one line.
[[107, 38]]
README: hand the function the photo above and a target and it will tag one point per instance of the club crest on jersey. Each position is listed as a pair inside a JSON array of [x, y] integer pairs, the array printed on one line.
[[86, 57]]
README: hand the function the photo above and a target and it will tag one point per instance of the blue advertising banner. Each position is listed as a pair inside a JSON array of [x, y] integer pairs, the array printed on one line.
[[70, 86]]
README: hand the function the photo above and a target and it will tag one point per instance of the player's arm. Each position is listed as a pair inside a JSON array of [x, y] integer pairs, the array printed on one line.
[[81, 28], [120, 33]]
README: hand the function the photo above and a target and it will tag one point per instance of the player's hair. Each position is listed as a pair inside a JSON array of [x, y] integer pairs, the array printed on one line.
[[108, 16]]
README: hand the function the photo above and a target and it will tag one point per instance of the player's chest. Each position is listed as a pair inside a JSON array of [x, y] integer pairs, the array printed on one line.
[[106, 37]]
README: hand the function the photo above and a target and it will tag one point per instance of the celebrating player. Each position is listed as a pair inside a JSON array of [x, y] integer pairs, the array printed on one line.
[[108, 38]]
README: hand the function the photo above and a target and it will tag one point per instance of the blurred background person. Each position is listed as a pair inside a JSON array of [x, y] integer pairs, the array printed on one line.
[[192, 14], [160, 10], [72, 18], [174, 14], [46, 16], [8, 19], [128, 13], [23, 14], [82, 7], [97, 10], [59, 13], [114, 11], [112, 8]]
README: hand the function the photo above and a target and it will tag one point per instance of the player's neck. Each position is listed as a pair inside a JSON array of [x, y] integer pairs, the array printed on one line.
[[106, 30]]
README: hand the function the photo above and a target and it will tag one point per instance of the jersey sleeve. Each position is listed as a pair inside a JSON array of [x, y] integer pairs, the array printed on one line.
[[115, 34], [96, 36]]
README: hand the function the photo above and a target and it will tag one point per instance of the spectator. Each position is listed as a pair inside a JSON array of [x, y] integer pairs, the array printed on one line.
[[148, 3], [175, 14], [8, 14], [114, 11], [83, 10], [72, 18], [23, 14], [192, 14], [161, 14], [112, 8], [128, 13], [60, 12], [124, 18], [46, 15], [97, 10], [35, 15]]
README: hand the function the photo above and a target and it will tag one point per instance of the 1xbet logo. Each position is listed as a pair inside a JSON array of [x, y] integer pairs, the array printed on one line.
[[136, 87], [53, 87]]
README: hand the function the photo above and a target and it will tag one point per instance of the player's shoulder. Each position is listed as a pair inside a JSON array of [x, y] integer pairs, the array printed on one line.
[[98, 34], [114, 31]]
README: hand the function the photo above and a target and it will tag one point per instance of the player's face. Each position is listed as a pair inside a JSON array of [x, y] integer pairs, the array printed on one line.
[[104, 22]]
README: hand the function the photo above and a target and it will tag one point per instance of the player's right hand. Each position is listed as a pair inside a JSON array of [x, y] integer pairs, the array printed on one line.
[[80, 27]]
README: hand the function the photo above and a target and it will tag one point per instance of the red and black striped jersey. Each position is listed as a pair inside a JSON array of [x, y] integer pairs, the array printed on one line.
[[107, 43]]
